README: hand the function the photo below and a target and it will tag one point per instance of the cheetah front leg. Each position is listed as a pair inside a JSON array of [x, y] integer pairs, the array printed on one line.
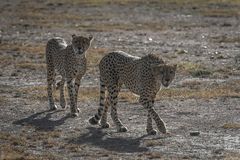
[[113, 99], [72, 93], [149, 128], [50, 97], [152, 114], [159, 122], [50, 83], [77, 85]]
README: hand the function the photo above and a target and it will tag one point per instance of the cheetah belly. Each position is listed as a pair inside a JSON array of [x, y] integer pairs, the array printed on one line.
[[132, 87], [132, 84]]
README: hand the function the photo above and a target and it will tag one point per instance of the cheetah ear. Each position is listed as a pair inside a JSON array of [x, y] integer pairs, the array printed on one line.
[[73, 36], [90, 38]]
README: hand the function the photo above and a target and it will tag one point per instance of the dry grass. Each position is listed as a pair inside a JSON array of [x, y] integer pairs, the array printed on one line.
[[194, 69], [231, 126], [16, 145], [3, 100], [150, 143], [188, 67], [31, 66], [201, 73], [203, 93], [192, 84], [151, 2], [14, 140], [72, 147], [221, 12], [94, 55], [35, 16], [106, 27], [35, 93], [6, 60], [231, 156], [9, 152], [23, 48], [10, 146], [88, 94], [224, 39], [153, 155]]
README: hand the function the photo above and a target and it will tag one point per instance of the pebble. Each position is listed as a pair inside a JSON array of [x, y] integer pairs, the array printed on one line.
[[194, 133]]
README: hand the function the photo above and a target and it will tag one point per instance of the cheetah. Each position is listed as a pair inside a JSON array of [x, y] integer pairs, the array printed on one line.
[[142, 76], [70, 62]]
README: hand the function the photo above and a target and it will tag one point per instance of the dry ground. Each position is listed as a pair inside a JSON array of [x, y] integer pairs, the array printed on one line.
[[201, 36]]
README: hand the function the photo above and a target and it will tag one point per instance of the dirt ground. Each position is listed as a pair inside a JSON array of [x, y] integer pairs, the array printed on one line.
[[201, 36]]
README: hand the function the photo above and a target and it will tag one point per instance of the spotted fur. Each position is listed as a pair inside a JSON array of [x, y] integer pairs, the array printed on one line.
[[142, 76], [70, 62]]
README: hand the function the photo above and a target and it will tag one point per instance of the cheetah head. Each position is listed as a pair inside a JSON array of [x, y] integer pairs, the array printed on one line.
[[165, 73], [81, 44]]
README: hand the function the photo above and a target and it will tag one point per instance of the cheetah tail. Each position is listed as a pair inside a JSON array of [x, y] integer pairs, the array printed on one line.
[[96, 118]]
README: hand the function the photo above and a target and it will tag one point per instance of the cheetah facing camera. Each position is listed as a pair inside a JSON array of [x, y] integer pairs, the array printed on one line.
[[70, 62], [142, 76]]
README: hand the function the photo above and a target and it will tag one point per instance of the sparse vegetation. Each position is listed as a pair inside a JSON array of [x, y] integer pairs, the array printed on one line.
[[31, 66], [94, 56], [194, 69], [23, 48], [201, 73], [225, 39], [201, 36], [231, 126], [150, 143], [88, 94]]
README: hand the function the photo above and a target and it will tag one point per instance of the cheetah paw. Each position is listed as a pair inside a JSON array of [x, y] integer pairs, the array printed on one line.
[[163, 129], [152, 132], [122, 129], [93, 121], [105, 125], [74, 114], [53, 108], [63, 105]]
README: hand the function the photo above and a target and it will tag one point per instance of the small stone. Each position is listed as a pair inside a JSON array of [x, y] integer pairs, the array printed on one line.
[[17, 95], [14, 74], [194, 133], [182, 52]]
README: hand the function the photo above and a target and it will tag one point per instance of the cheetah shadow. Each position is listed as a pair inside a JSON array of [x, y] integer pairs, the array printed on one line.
[[98, 138], [42, 121]]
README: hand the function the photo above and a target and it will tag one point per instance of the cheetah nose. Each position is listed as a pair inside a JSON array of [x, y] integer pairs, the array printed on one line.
[[167, 79]]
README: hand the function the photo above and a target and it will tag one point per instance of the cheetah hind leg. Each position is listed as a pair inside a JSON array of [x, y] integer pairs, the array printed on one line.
[[103, 122], [60, 86], [117, 122], [113, 102]]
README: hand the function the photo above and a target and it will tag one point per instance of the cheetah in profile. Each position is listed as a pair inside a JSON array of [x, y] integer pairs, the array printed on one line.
[[70, 62], [142, 76]]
